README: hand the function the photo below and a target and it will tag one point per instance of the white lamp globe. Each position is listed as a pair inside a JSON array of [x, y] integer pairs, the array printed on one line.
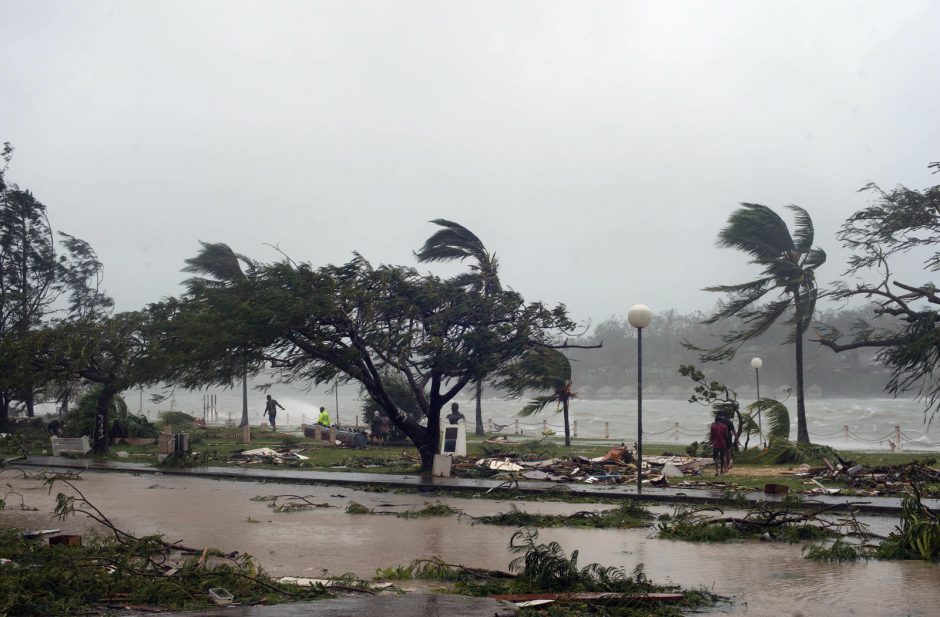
[[639, 316], [757, 363]]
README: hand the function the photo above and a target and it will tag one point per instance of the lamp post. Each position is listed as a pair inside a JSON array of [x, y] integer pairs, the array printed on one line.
[[639, 317], [756, 363]]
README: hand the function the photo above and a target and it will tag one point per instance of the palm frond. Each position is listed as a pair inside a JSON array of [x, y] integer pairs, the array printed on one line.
[[218, 261], [537, 404], [803, 231], [540, 369], [452, 243], [777, 417], [760, 320], [814, 258], [757, 285], [805, 310], [757, 230], [735, 305]]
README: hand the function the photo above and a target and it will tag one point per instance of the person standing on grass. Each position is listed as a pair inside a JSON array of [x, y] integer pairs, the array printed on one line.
[[270, 408], [729, 450], [719, 437]]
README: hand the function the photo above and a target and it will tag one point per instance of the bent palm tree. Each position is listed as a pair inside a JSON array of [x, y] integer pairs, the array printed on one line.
[[456, 243], [541, 369], [221, 267], [789, 264]]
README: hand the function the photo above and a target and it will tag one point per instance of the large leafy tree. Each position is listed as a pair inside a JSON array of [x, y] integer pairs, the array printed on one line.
[[454, 242], [904, 323], [356, 322], [111, 351], [33, 278], [788, 269], [547, 373], [218, 266]]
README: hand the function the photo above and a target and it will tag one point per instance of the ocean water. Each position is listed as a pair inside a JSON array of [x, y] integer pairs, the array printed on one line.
[[860, 424]]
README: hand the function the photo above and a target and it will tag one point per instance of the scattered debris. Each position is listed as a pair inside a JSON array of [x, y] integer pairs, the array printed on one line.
[[220, 596], [268, 456], [530, 599], [615, 467]]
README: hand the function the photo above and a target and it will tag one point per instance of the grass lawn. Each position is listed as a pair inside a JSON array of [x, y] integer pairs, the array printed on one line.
[[215, 448]]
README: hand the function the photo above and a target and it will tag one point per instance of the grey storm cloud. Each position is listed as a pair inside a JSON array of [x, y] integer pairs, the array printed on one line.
[[596, 148]]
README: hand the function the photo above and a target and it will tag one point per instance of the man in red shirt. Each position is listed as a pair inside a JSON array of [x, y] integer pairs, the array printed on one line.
[[720, 439]]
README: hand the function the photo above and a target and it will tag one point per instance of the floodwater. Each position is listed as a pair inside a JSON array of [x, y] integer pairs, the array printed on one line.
[[762, 578]]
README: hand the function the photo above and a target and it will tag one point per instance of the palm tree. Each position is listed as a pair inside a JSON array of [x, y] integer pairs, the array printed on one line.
[[540, 369], [220, 267], [788, 266], [454, 242]]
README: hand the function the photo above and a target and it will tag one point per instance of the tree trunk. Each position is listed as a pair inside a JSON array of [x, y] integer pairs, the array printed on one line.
[[479, 396], [64, 409], [426, 440], [244, 421], [802, 432], [567, 429], [100, 437], [30, 401], [4, 409]]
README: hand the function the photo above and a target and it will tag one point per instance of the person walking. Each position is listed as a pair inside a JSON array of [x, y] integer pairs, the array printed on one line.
[[270, 409], [719, 437]]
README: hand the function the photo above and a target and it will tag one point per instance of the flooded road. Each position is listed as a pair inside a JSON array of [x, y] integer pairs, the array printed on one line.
[[764, 579]]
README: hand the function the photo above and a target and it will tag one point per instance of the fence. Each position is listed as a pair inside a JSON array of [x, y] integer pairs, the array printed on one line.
[[896, 439]]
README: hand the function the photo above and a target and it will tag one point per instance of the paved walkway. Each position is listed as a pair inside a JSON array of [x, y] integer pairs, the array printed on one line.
[[870, 505]]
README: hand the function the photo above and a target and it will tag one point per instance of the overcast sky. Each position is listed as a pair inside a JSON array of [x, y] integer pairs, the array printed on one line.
[[595, 147]]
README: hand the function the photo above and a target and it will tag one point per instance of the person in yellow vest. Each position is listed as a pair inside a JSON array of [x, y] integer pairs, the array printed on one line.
[[324, 419]]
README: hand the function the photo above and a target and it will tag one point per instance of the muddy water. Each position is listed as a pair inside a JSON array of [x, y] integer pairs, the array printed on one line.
[[764, 579]]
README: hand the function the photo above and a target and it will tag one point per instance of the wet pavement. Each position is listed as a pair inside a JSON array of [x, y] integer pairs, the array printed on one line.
[[763, 578], [415, 605], [869, 505]]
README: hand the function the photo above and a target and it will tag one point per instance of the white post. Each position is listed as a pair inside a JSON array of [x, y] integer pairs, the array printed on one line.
[[575, 423], [544, 426], [897, 435], [517, 427], [675, 433]]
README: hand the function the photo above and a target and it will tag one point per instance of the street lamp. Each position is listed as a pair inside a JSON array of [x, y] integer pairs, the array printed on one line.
[[639, 317], [756, 363]]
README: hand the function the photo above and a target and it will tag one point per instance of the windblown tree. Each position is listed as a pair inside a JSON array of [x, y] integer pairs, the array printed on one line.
[[33, 277], [547, 373], [357, 323], [788, 268], [220, 267], [904, 326], [457, 243], [109, 351], [90, 345]]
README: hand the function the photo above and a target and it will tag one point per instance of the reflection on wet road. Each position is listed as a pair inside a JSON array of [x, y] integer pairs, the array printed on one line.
[[764, 579]]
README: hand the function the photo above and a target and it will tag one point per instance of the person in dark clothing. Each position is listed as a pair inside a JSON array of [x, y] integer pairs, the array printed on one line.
[[270, 408], [719, 436], [729, 450]]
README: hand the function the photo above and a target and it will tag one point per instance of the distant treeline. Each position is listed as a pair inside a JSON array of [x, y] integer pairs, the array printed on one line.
[[610, 372]]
